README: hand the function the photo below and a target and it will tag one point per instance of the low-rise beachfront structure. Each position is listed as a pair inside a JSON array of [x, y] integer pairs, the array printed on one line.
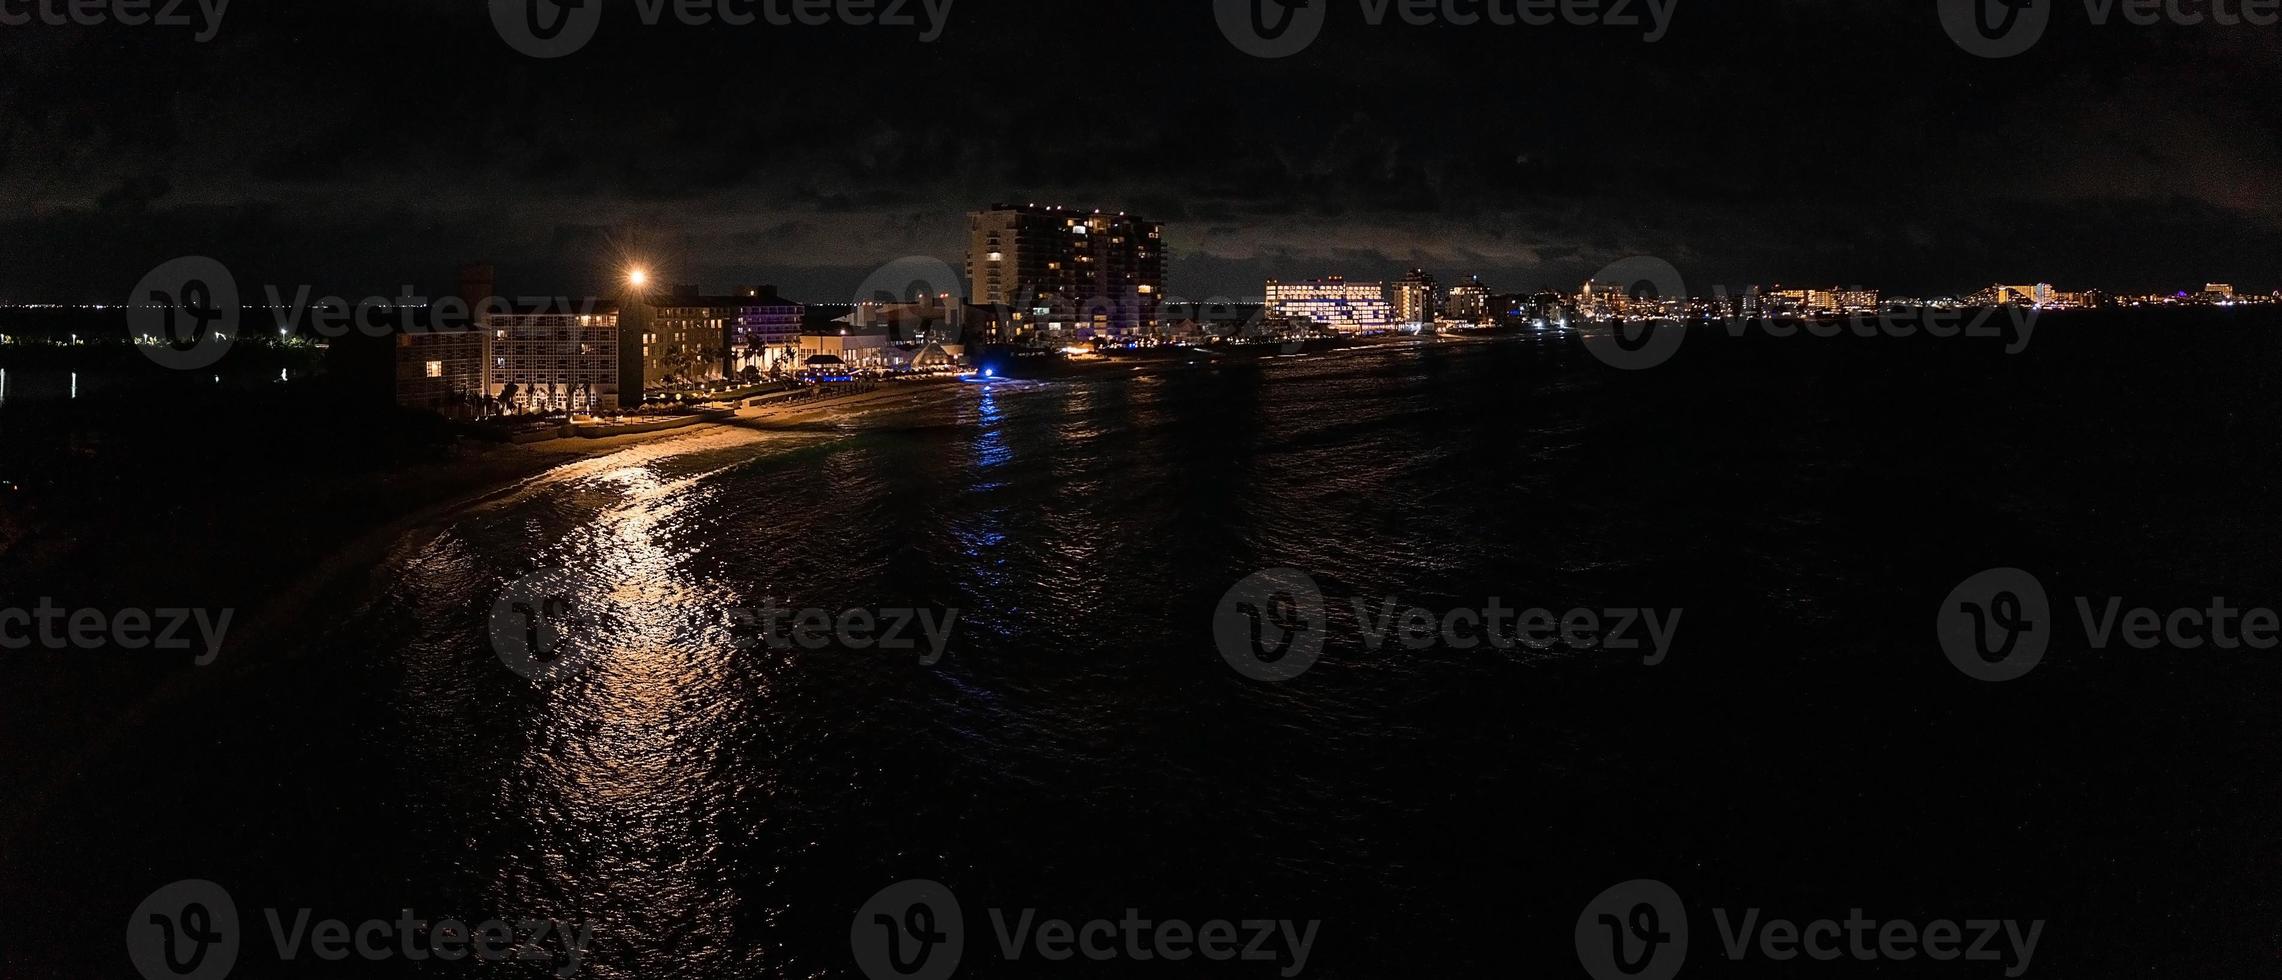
[[861, 350]]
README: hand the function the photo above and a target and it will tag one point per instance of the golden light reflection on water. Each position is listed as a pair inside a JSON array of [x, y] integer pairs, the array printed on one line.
[[620, 784]]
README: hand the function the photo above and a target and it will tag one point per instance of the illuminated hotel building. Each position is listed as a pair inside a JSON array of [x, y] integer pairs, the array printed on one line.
[[607, 355], [1600, 300], [687, 337], [1469, 300], [766, 334], [2040, 294], [1780, 300], [1334, 303], [1418, 299], [556, 359], [1066, 274]]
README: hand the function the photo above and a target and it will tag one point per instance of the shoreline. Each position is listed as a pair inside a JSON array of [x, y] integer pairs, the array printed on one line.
[[282, 625], [366, 529], [521, 464]]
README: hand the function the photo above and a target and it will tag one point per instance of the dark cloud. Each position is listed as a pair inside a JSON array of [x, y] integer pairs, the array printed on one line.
[[354, 145]]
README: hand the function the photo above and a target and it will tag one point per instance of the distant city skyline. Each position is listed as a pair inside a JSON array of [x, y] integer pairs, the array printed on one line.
[[841, 285]]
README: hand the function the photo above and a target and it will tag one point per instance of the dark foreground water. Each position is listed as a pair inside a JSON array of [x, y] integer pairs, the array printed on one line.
[[1806, 749]]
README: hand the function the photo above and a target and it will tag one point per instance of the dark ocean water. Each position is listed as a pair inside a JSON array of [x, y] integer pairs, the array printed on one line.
[[718, 811]]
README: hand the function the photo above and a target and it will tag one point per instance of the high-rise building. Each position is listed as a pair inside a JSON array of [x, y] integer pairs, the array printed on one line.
[[1066, 274], [766, 336], [557, 359], [687, 338], [2218, 291], [1469, 300], [1601, 300], [1333, 303], [1418, 299]]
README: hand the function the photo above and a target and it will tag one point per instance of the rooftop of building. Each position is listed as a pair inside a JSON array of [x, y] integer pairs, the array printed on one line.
[[1056, 209]]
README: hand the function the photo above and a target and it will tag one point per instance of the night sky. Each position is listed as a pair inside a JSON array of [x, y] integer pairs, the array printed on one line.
[[357, 147]]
